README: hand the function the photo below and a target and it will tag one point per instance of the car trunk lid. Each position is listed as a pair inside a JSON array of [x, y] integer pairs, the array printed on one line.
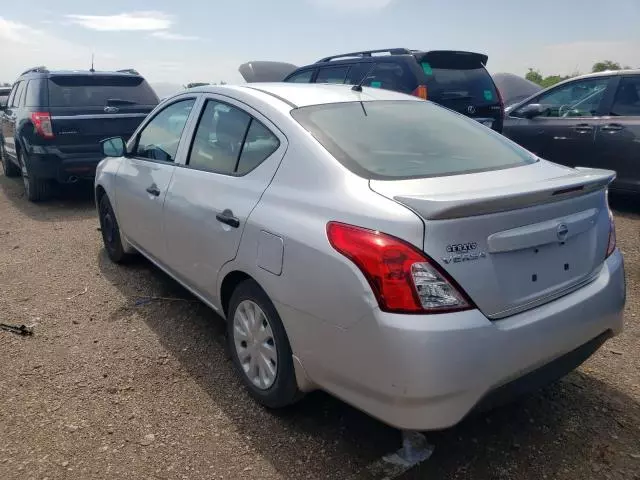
[[512, 244]]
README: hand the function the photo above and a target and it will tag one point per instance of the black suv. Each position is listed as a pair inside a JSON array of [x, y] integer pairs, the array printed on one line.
[[54, 120], [456, 80]]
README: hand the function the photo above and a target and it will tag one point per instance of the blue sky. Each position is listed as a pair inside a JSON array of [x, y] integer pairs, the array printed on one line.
[[178, 42]]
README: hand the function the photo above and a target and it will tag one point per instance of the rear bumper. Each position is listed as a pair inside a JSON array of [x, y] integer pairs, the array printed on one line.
[[429, 372], [51, 163]]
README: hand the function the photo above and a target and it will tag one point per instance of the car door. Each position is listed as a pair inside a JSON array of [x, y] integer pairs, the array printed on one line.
[[234, 154], [144, 174], [10, 118], [565, 132], [618, 137]]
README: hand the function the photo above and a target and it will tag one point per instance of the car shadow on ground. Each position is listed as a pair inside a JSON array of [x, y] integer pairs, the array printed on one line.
[[69, 202], [567, 427], [625, 205]]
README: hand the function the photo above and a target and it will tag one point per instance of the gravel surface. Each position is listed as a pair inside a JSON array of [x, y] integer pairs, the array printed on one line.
[[107, 389]]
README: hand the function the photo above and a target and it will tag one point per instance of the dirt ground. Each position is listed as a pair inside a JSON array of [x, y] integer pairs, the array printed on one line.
[[110, 389]]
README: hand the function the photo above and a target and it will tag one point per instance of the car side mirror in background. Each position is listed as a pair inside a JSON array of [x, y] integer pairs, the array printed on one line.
[[113, 147], [532, 110]]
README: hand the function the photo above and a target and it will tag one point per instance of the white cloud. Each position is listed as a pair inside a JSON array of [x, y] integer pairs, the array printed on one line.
[[352, 5], [16, 32], [173, 36], [133, 21]]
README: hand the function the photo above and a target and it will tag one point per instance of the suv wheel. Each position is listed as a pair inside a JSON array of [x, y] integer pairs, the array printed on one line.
[[10, 168], [260, 348], [36, 189]]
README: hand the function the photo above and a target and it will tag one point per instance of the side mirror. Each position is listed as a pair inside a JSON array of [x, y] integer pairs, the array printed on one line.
[[532, 110], [114, 147]]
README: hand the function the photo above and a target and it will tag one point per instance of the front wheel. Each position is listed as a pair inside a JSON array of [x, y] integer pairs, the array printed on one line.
[[36, 189], [111, 232], [260, 348]]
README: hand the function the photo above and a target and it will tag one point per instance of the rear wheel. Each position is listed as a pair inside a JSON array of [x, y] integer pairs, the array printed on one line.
[[111, 232], [10, 168], [37, 189], [260, 348]]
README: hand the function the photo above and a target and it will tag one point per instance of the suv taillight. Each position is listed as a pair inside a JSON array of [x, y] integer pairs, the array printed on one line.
[[42, 123], [420, 91], [403, 279], [500, 99]]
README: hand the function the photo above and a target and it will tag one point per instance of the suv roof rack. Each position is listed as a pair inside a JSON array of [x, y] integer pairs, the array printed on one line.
[[128, 70], [367, 53], [40, 69]]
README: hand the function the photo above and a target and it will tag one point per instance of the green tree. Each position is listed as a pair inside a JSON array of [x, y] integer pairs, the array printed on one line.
[[534, 76], [605, 65]]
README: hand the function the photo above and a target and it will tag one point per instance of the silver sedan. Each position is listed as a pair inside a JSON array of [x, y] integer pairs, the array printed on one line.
[[398, 255]]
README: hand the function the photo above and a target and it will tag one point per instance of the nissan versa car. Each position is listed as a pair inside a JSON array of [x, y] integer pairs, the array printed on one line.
[[354, 243]]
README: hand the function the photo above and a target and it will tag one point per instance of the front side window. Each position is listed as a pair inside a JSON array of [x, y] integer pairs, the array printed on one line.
[[230, 141], [301, 77], [581, 98], [627, 100], [392, 140], [160, 138], [332, 74]]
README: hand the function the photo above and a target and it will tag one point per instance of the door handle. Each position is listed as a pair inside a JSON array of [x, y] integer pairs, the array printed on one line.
[[612, 127], [583, 128], [227, 218], [153, 190]]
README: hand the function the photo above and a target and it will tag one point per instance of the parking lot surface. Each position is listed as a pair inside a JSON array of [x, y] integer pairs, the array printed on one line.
[[126, 376]]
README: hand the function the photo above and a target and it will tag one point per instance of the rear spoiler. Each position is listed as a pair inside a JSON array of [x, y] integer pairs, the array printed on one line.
[[455, 56], [481, 202], [263, 71]]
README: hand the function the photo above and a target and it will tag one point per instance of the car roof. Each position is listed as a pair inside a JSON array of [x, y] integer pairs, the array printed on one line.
[[607, 73], [297, 95]]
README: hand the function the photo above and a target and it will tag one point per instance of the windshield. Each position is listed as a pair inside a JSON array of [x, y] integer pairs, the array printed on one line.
[[407, 139], [99, 91]]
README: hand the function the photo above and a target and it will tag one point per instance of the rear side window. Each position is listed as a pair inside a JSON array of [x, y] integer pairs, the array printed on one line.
[[332, 74], [16, 100], [451, 80], [35, 95], [99, 91], [627, 100], [229, 141], [407, 139], [390, 76], [301, 77]]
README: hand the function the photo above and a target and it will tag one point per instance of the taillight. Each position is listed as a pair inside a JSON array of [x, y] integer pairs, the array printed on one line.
[[420, 91], [403, 279], [42, 123], [612, 235]]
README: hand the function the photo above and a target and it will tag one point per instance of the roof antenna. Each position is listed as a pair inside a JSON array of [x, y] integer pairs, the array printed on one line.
[[358, 87], [92, 69]]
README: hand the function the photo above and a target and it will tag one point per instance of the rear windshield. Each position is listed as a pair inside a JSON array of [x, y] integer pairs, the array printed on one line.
[[99, 90], [453, 80], [407, 139]]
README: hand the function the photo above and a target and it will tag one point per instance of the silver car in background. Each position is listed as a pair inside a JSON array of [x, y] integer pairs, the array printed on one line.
[[402, 257]]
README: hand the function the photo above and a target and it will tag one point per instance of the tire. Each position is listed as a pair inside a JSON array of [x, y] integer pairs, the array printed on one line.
[[281, 389], [111, 232], [10, 168], [36, 189]]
